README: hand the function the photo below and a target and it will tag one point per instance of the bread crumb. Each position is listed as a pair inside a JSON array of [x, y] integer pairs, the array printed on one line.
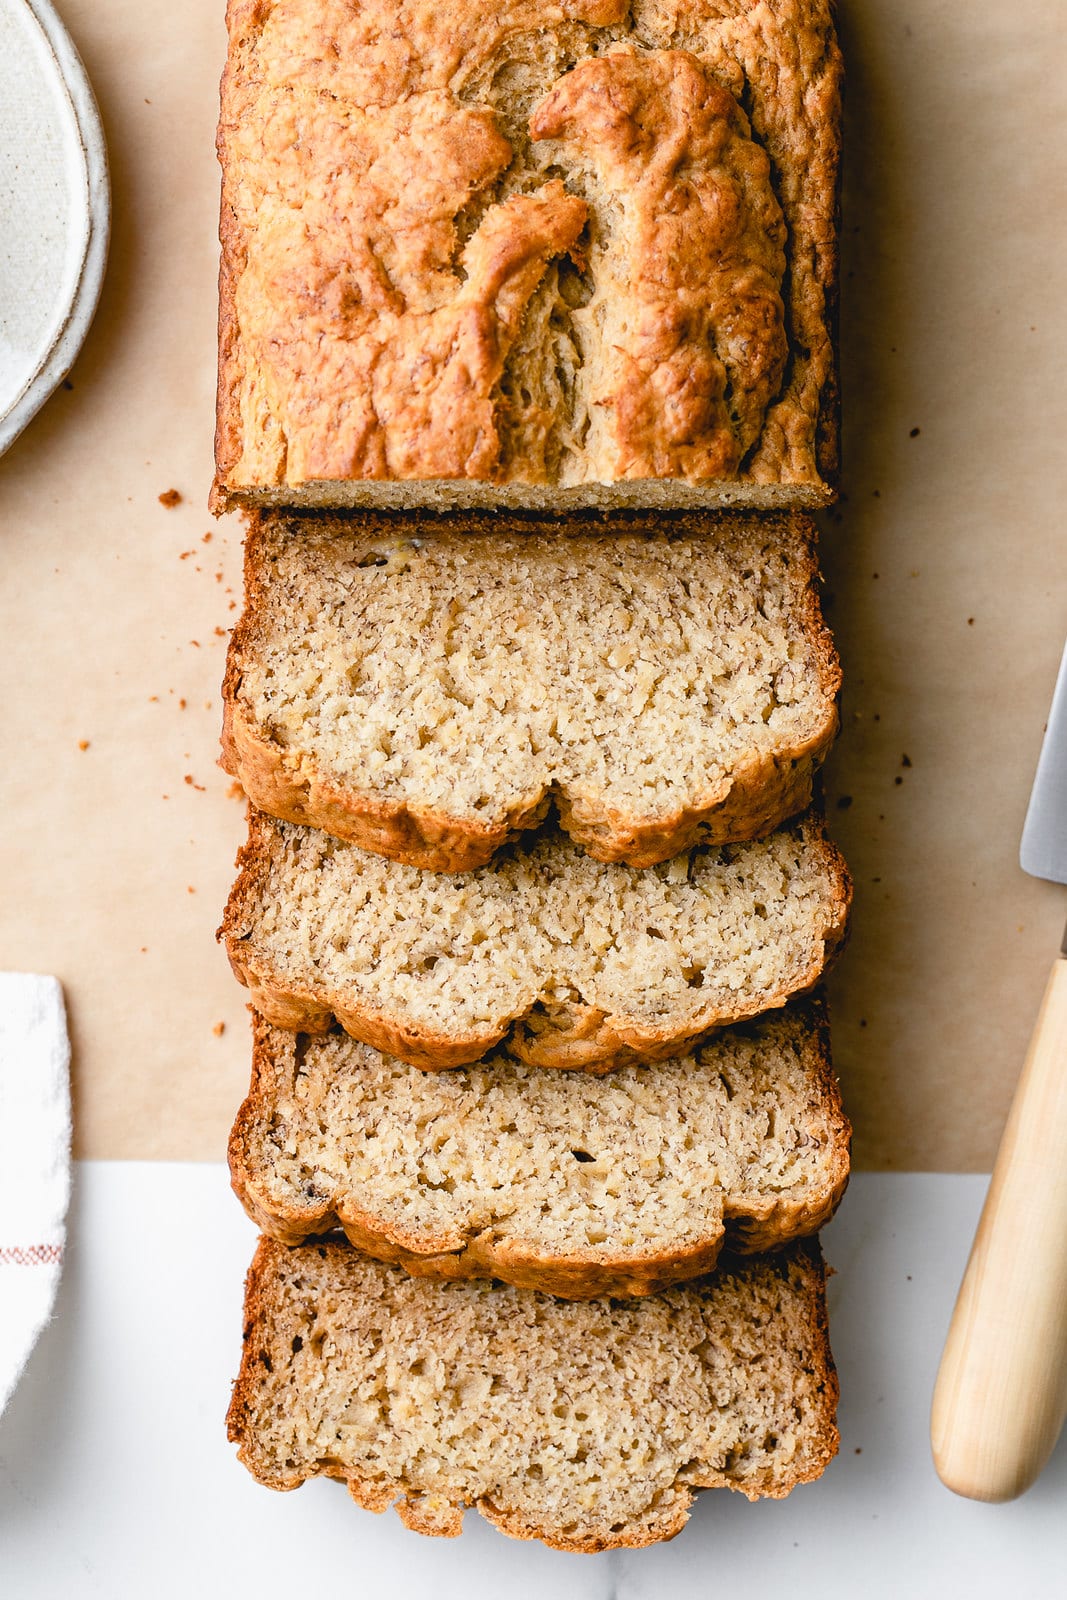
[[144, 949], [898, 779], [219, 1029], [189, 889], [221, 633], [207, 537], [186, 554], [970, 622], [905, 761], [193, 784], [182, 703], [843, 802], [83, 744], [195, 642], [914, 434], [170, 498], [235, 792], [153, 699]]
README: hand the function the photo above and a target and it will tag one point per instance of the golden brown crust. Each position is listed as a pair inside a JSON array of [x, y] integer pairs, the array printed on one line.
[[758, 1224], [353, 354], [801, 1265], [575, 1036], [761, 792], [697, 346], [363, 354]]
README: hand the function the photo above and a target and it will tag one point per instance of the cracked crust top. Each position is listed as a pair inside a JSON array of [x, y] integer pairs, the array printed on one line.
[[538, 254]]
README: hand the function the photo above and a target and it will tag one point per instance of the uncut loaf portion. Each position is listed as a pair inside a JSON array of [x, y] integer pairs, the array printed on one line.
[[578, 963], [547, 1180], [426, 694], [543, 253], [588, 1425]]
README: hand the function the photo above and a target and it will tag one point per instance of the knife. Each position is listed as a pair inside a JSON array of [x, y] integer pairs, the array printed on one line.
[[1001, 1393]]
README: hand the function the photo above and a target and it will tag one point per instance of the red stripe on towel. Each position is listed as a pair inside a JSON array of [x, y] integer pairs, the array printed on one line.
[[31, 1255]]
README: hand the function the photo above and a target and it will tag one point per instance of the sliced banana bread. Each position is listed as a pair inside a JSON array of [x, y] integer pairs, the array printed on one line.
[[579, 963], [425, 694], [587, 1425], [548, 1180]]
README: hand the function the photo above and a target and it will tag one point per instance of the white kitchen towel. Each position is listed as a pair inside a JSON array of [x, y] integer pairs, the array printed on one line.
[[34, 1162]]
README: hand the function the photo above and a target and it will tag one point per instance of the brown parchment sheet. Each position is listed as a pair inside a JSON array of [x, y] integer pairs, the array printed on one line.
[[946, 569]]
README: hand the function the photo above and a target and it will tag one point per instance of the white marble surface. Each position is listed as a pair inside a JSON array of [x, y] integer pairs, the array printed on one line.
[[116, 1478]]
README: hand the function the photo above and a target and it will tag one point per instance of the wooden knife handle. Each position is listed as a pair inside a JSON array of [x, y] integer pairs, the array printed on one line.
[[1001, 1392]]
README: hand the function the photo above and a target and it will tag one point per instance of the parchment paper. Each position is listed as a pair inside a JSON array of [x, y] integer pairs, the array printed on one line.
[[119, 834]]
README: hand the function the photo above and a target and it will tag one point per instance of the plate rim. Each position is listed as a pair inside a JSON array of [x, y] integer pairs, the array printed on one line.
[[82, 307]]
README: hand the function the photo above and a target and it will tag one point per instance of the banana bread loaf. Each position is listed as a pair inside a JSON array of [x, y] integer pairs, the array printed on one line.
[[577, 252]]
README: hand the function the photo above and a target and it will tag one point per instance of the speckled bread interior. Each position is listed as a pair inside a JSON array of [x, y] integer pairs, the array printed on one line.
[[530, 796], [588, 1425], [547, 1180], [426, 690], [537, 254], [577, 963]]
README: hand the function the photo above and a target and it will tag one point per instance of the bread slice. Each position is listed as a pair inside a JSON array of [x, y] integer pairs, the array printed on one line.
[[577, 962], [548, 1180], [574, 253], [588, 1426], [425, 693]]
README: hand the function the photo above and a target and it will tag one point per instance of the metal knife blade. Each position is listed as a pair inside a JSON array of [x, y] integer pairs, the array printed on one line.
[[1044, 846]]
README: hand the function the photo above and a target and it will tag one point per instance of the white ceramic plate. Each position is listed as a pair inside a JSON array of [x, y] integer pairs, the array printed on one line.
[[55, 205]]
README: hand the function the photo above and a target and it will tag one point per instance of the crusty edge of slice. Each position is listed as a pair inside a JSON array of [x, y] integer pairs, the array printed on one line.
[[621, 496], [232, 259], [444, 1518], [754, 799], [589, 1040], [580, 1274]]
